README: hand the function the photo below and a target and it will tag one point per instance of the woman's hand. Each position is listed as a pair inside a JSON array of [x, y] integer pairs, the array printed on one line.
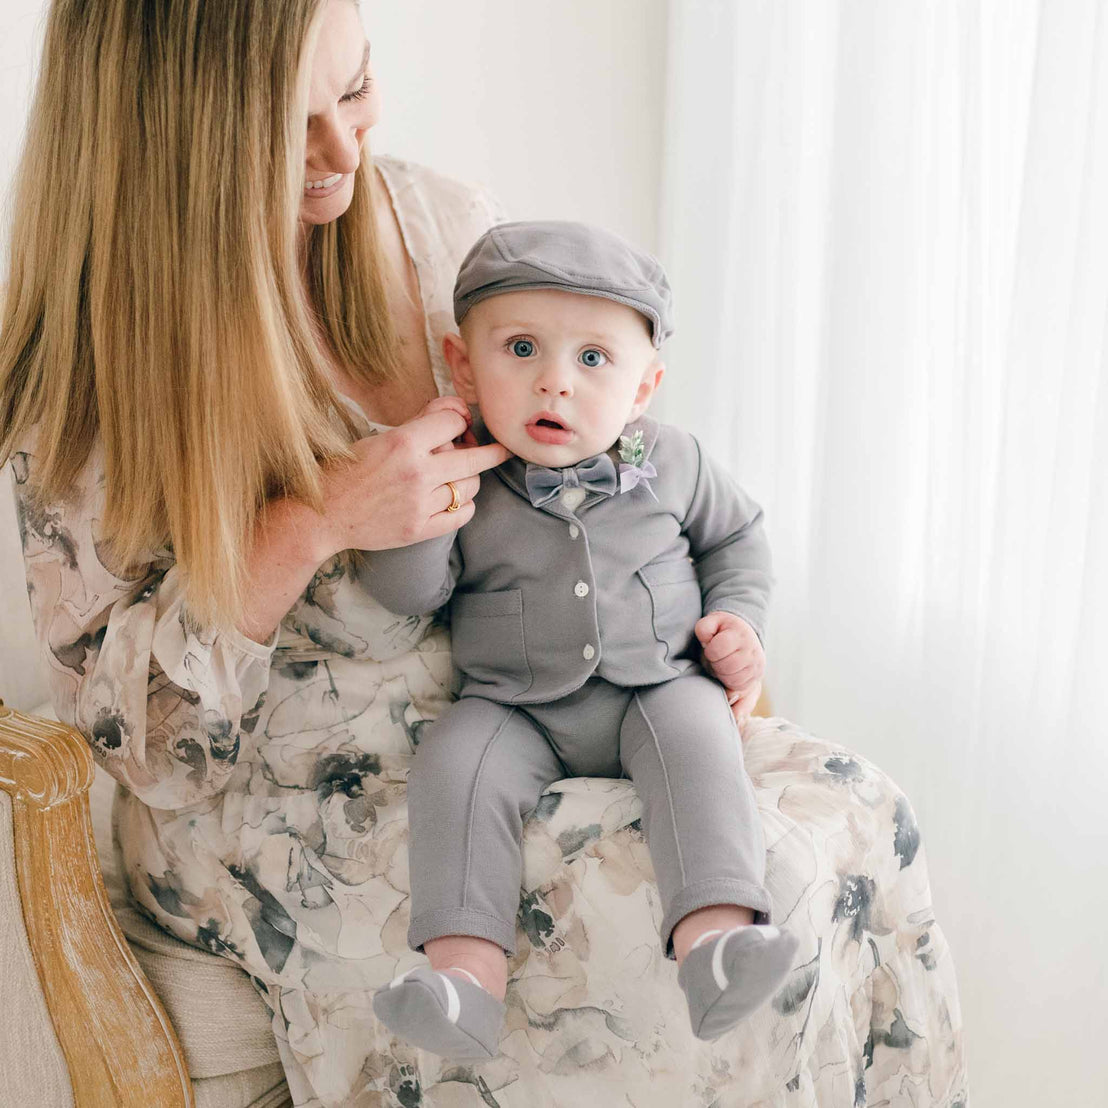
[[392, 493], [395, 492]]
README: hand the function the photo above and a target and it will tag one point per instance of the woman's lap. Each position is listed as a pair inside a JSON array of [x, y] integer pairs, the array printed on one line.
[[869, 1015]]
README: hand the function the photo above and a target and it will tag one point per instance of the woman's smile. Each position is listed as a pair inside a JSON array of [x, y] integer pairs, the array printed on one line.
[[324, 186]]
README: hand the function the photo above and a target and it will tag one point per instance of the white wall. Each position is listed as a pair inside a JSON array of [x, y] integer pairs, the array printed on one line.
[[21, 24], [21, 685], [557, 106]]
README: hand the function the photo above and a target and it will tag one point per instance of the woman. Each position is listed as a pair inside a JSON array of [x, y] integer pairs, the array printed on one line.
[[219, 359]]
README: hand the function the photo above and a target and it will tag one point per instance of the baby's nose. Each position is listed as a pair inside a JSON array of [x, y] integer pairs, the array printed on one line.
[[555, 381]]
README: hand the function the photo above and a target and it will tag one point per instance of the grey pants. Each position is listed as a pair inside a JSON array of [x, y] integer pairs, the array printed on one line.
[[481, 767]]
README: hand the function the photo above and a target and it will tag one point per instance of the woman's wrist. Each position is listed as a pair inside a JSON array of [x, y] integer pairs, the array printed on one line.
[[290, 543], [308, 534]]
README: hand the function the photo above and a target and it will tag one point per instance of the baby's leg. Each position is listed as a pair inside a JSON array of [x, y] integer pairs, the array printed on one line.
[[680, 746], [479, 770], [703, 922], [471, 959], [477, 773]]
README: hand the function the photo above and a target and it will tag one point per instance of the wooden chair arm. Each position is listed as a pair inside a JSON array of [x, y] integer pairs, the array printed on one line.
[[119, 1046]]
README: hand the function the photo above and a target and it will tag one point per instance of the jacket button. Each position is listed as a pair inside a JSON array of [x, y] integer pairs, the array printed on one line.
[[580, 589], [574, 530], [588, 652]]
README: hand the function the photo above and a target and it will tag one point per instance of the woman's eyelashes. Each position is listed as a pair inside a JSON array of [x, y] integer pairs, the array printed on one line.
[[361, 93]]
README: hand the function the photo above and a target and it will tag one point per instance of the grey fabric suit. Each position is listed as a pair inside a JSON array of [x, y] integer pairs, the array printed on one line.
[[572, 627]]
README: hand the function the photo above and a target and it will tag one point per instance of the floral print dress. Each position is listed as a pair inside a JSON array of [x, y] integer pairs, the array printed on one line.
[[261, 815]]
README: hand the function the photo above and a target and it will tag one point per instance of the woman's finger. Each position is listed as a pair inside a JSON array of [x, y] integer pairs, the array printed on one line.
[[466, 490], [431, 429], [442, 523], [447, 403], [454, 464]]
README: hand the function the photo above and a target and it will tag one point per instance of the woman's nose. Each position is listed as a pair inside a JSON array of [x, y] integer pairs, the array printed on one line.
[[334, 147]]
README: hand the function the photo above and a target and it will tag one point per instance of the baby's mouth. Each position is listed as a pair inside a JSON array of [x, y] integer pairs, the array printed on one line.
[[547, 427]]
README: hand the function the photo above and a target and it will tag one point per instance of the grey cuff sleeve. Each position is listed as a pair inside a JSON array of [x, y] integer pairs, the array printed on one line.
[[410, 580]]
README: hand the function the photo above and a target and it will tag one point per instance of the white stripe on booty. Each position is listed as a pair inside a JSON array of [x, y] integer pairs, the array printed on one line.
[[465, 972], [717, 960], [453, 1004], [705, 937], [767, 931], [396, 980]]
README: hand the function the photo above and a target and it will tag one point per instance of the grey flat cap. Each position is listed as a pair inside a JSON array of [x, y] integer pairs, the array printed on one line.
[[552, 254]]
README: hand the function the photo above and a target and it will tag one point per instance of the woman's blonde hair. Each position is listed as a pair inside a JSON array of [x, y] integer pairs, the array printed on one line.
[[155, 301]]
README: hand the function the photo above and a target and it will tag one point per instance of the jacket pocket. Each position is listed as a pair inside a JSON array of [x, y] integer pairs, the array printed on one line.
[[488, 641], [676, 605]]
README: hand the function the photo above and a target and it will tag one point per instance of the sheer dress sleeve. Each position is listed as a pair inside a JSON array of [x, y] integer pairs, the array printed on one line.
[[167, 707]]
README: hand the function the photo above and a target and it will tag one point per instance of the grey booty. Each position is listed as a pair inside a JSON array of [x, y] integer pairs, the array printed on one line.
[[443, 1014], [725, 980]]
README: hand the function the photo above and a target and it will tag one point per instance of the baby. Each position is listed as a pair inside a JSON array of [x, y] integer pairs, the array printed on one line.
[[599, 561]]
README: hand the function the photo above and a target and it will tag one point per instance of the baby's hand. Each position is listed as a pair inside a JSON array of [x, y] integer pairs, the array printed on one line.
[[735, 656]]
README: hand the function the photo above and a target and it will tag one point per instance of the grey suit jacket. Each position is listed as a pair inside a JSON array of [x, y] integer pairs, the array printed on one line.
[[543, 598]]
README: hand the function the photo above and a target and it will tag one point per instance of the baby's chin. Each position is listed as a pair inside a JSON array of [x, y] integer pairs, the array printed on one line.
[[553, 459], [553, 456]]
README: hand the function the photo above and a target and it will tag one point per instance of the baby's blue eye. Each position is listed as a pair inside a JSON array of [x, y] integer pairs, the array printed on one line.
[[592, 358], [523, 348]]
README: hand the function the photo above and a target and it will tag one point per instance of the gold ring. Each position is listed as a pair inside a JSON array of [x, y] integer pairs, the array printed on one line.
[[456, 502]]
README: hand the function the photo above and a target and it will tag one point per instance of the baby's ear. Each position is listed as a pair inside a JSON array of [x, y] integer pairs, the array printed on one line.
[[454, 351], [651, 379]]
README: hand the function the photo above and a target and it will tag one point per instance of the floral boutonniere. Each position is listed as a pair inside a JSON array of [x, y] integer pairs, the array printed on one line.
[[635, 469]]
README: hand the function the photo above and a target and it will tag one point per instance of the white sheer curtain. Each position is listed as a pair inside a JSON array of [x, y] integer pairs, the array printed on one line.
[[886, 224]]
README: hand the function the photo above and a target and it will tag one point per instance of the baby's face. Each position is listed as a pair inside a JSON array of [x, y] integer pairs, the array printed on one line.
[[557, 375]]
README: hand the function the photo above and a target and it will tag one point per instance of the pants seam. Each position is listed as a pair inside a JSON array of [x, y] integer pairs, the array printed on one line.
[[665, 778], [473, 805]]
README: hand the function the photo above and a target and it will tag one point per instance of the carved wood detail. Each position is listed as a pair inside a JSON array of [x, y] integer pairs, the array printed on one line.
[[42, 762], [119, 1045]]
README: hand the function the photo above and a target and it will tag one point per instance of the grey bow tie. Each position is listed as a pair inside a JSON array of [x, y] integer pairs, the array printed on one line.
[[596, 474]]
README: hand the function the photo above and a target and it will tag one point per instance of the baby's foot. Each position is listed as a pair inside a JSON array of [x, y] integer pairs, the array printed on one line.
[[441, 1013], [725, 980]]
